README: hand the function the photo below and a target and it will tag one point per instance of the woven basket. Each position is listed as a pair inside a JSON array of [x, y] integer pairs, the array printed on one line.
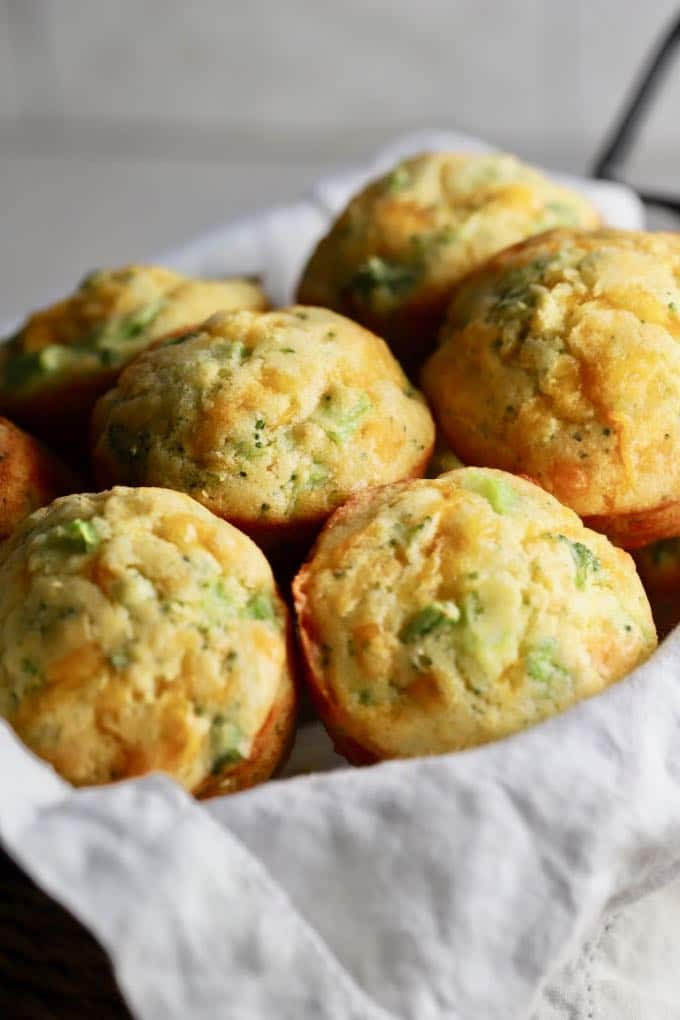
[[51, 968]]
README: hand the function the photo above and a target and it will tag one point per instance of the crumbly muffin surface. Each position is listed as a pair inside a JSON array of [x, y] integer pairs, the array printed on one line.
[[440, 614]]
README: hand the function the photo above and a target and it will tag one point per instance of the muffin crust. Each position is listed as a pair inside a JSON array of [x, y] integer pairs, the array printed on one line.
[[440, 614], [269, 419], [139, 632], [561, 359], [392, 257]]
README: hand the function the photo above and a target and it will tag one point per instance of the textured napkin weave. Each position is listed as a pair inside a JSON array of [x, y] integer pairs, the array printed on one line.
[[493, 884]]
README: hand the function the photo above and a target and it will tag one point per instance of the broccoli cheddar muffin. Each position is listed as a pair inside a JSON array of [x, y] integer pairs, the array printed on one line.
[[439, 614], [659, 567], [54, 368], [392, 257], [139, 632], [560, 359], [30, 476], [269, 419]]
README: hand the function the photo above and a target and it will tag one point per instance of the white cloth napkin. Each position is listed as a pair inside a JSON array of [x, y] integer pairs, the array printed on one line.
[[516, 880]]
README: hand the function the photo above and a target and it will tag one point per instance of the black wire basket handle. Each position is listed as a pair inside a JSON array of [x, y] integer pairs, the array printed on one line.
[[627, 128]]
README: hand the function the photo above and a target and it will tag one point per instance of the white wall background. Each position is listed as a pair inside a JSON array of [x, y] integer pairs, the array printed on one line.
[[129, 125]]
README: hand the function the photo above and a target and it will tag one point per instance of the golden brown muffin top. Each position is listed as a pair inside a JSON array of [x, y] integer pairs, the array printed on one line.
[[111, 316], [440, 614], [265, 417], [393, 255], [139, 632], [561, 359]]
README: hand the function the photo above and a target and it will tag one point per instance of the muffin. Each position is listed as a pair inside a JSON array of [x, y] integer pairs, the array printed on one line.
[[436, 615], [54, 368], [392, 257], [30, 476], [139, 632], [271, 420], [560, 359], [659, 567]]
